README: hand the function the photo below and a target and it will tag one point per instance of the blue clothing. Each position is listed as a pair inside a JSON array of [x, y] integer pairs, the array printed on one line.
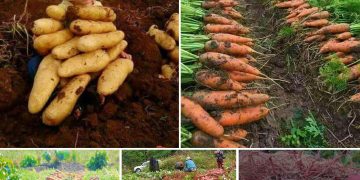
[[33, 65], [189, 165]]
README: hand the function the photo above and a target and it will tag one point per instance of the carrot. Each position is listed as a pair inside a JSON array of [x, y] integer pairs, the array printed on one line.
[[225, 143], [222, 37], [344, 36], [345, 46], [285, 4], [227, 48], [243, 76], [217, 19], [347, 59], [222, 3], [334, 29], [315, 38], [292, 20], [225, 62], [228, 99], [298, 3], [337, 54], [303, 6], [230, 29], [236, 135], [200, 118], [355, 98], [354, 72], [217, 80], [316, 23], [242, 115], [320, 15], [231, 12], [306, 12], [292, 15], [203, 140]]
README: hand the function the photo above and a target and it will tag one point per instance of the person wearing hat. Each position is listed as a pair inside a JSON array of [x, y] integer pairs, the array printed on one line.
[[189, 165], [219, 155]]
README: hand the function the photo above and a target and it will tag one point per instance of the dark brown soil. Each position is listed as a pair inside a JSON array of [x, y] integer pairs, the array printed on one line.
[[142, 113]]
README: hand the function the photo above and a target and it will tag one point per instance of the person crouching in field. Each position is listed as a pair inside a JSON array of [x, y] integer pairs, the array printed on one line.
[[189, 165], [219, 155]]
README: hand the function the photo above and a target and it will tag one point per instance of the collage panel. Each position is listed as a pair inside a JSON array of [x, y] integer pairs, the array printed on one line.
[[59, 165], [178, 164], [270, 73], [89, 74]]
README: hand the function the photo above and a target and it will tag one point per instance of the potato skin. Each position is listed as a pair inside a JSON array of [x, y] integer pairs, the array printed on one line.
[[56, 12], [172, 26], [65, 101], [44, 43], [114, 76], [84, 63], [164, 40], [115, 51], [46, 26], [94, 42], [174, 55], [95, 13], [45, 82], [84, 27], [66, 50]]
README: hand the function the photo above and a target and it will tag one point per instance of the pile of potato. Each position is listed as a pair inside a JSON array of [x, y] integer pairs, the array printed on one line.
[[168, 41], [74, 55]]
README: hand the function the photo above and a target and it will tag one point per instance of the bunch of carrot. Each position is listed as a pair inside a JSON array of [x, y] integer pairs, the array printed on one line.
[[223, 53], [335, 38]]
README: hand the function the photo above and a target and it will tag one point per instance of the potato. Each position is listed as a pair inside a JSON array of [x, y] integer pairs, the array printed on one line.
[[46, 80], [44, 43], [164, 40], [94, 42], [66, 50], [174, 55], [95, 13], [56, 12], [115, 51], [62, 106], [84, 63], [172, 26], [114, 76], [167, 71], [84, 27], [46, 26]]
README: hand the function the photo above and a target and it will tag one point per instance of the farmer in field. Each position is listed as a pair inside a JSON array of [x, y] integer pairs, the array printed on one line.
[[179, 165], [154, 165], [219, 155], [189, 165]]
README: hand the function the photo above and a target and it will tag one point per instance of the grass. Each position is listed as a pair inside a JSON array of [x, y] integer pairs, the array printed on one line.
[[330, 74]]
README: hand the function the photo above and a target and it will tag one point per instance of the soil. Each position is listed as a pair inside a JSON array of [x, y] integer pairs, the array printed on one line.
[[142, 113], [61, 166], [303, 89]]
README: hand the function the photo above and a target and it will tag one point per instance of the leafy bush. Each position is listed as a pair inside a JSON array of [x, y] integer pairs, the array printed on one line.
[[62, 155], [98, 161], [7, 169], [28, 161], [47, 156]]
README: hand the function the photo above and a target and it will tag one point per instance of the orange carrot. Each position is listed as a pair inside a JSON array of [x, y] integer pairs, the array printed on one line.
[[222, 37], [316, 23], [230, 29], [228, 99], [320, 15], [222, 61], [217, 19], [231, 12], [217, 80], [203, 140], [236, 135], [285, 4], [225, 143], [344, 36], [200, 118], [292, 15], [298, 3], [292, 20], [222, 3], [337, 54], [345, 46], [354, 72], [334, 29], [347, 59], [242, 115], [306, 12], [355, 98], [303, 6], [315, 38], [243, 76], [227, 48]]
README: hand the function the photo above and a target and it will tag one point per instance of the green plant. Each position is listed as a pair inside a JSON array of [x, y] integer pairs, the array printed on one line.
[[73, 156], [330, 74], [47, 156], [28, 161], [7, 169], [98, 161], [305, 132], [286, 32], [62, 155]]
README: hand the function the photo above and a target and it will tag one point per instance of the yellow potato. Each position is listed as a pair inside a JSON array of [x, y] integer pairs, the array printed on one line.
[[94, 42], [46, 80], [62, 106], [66, 50], [167, 71], [115, 51], [56, 12], [114, 76], [44, 43], [84, 63], [172, 26], [164, 40], [95, 13], [84, 27], [174, 55], [46, 26]]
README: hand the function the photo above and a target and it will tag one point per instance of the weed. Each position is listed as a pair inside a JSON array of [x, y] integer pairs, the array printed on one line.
[[46, 155], [286, 32], [28, 161], [331, 72], [99, 161], [62, 155]]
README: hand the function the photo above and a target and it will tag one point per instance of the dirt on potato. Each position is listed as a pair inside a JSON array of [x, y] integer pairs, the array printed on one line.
[[142, 113]]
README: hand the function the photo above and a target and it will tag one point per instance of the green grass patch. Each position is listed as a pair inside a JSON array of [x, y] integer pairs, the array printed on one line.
[[335, 74]]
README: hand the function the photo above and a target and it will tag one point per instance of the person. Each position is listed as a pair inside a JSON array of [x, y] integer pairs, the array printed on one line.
[[189, 165], [154, 165], [219, 155], [179, 165]]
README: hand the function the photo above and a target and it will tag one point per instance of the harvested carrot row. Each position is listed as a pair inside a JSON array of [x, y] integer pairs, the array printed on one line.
[[243, 76], [230, 29], [216, 80], [316, 23], [222, 37], [217, 19], [242, 115], [345, 46], [228, 48]]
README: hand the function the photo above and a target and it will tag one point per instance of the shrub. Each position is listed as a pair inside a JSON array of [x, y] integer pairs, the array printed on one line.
[[98, 161], [7, 170], [28, 161], [62, 155], [46, 155]]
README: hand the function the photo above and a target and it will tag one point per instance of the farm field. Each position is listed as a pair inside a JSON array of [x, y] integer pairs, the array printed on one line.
[[269, 73], [59, 165], [205, 161], [140, 91]]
